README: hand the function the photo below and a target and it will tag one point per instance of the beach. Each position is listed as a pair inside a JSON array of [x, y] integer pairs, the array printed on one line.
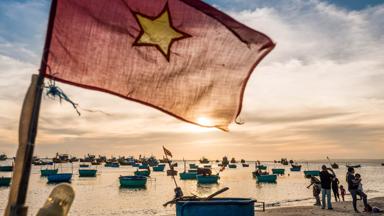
[[102, 195], [339, 209]]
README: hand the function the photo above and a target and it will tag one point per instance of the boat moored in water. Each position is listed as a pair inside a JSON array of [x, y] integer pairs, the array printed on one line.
[[353, 166], [187, 175], [46, 172], [133, 181], [6, 168], [144, 172], [87, 172], [159, 168], [266, 178], [207, 179], [278, 171], [5, 181], [216, 206], [193, 166], [309, 173], [60, 177], [232, 165], [295, 168]]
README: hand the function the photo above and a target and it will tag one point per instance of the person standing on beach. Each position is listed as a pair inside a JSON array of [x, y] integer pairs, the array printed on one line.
[[335, 188], [326, 181], [316, 186], [342, 192], [353, 187]]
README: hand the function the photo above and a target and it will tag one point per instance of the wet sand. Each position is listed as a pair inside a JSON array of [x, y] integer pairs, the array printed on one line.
[[339, 209]]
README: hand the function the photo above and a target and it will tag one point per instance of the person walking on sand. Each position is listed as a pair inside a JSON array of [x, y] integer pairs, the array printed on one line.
[[316, 189], [326, 181], [335, 188], [353, 187], [342, 192]]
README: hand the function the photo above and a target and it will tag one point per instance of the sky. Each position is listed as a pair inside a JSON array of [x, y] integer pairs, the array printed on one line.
[[319, 93]]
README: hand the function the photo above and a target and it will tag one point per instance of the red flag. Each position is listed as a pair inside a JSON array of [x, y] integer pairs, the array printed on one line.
[[167, 152], [183, 57]]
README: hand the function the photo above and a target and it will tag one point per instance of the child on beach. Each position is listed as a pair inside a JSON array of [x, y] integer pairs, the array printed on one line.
[[342, 192], [358, 179], [360, 186], [316, 189]]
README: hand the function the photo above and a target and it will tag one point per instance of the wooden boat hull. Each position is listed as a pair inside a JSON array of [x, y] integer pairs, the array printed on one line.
[[5, 181], [212, 179], [87, 172], [311, 172], [84, 165], [232, 166], [142, 173], [133, 181], [61, 177], [266, 178], [216, 207], [187, 175], [6, 168], [47, 172], [245, 165], [278, 171]]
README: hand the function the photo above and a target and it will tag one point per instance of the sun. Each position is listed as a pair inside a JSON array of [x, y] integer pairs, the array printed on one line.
[[204, 121]]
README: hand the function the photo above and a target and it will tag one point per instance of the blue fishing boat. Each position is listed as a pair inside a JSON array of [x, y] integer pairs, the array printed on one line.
[[60, 177], [295, 168], [159, 168], [216, 206], [133, 181], [87, 172], [261, 167], [207, 179], [187, 175], [143, 166], [5, 181], [266, 178], [232, 166], [311, 172], [142, 173], [112, 164], [6, 168], [135, 164], [193, 166], [278, 171], [47, 172]]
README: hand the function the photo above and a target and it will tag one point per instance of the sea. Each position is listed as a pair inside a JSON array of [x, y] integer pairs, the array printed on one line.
[[102, 195]]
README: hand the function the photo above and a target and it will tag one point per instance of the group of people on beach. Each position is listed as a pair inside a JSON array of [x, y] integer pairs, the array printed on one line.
[[330, 183]]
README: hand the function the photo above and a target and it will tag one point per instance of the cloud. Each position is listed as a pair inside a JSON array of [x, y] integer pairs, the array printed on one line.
[[319, 93]]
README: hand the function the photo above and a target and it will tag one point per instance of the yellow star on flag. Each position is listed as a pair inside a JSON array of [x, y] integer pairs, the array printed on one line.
[[158, 32]]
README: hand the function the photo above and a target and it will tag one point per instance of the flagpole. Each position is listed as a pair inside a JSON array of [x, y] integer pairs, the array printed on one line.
[[171, 167], [18, 192]]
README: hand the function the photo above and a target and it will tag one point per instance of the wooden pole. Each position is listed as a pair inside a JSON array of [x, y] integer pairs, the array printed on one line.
[[28, 130]]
